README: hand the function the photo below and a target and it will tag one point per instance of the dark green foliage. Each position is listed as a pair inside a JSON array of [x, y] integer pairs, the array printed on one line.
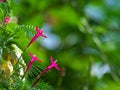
[[13, 35], [87, 33]]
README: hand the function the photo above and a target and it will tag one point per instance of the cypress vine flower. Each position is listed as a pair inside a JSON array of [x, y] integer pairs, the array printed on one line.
[[6, 20], [39, 33], [2, 0], [33, 58], [52, 65]]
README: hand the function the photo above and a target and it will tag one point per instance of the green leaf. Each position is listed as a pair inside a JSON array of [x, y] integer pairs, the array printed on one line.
[[11, 27]]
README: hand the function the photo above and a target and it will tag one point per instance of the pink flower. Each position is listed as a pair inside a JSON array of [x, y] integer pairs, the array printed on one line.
[[33, 58], [52, 65], [2, 0], [39, 33], [6, 20]]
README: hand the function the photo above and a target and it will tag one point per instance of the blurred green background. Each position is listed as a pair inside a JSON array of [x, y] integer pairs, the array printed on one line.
[[83, 35]]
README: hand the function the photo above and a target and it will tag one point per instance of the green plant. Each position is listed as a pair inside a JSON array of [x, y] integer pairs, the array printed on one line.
[[12, 63]]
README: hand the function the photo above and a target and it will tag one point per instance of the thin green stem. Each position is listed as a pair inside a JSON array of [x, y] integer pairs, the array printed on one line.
[[2, 12]]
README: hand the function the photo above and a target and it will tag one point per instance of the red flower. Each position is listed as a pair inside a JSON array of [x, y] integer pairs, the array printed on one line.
[[52, 65], [39, 33], [6, 20], [2, 0], [33, 58]]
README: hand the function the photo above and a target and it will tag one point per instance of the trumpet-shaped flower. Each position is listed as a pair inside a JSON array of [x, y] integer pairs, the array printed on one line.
[[6, 20], [39, 33], [2, 0], [52, 65], [33, 58]]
